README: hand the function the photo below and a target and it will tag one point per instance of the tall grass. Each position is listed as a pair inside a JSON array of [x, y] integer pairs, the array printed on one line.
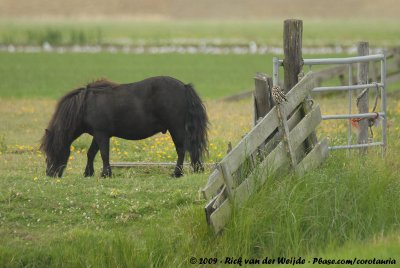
[[294, 216]]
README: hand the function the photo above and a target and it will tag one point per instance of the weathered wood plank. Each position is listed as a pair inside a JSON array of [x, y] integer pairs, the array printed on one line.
[[311, 140], [276, 160], [251, 141], [277, 157], [305, 127], [273, 141], [214, 184], [242, 193], [295, 118], [284, 129], [228, 178], [221, 216], [248, 186], [262, 95], [216, 180], [251, 184], [314, 158], [300, 132], [209, 209], [298, 93], [272, 162], [268, 124]]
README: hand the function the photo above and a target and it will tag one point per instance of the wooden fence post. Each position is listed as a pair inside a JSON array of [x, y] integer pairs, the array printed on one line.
[[362, 98], [292, 45], [262, 96], [292, 64]]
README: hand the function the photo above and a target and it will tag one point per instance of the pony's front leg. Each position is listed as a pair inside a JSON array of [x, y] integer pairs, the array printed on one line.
[[91, 154], [103, 141]]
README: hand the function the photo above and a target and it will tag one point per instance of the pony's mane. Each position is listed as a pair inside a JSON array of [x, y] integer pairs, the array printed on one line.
[[68, 116], [101, 83], [64, 121]]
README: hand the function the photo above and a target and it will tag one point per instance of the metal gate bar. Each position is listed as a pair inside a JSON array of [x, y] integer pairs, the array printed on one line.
[[355, 146], [350, 97], [379, 85], [350, 116], [345, 88]]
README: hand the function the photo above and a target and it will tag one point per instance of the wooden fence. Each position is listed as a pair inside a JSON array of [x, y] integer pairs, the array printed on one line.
[[275, 143]]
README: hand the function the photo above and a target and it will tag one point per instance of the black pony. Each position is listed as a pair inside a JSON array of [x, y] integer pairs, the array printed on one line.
[[130, 111]]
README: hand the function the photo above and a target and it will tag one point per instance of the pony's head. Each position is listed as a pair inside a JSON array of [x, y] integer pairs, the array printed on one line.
[[62, 129], [57, 153]]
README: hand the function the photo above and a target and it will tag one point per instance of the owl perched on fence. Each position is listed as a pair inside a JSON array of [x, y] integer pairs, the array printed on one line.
[[278, 95]]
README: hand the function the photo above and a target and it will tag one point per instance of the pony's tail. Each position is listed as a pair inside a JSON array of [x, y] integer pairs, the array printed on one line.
[[196, 126], [66, 119]]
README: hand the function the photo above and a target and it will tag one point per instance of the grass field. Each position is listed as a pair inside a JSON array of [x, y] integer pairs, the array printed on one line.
[[380, 32], [142, 217], [347, 208], [52, 75]]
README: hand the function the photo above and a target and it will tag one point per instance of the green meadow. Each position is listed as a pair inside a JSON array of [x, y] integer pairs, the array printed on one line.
[[141, 217], [52, 75]]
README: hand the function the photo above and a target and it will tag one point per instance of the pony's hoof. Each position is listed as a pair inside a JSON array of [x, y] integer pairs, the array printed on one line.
[[88, 173], [176, 175], [106, 173]]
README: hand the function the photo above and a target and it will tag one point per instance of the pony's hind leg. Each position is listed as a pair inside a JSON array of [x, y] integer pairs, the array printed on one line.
[[178, 140], [91, 154], [103, 141], [179, 163]]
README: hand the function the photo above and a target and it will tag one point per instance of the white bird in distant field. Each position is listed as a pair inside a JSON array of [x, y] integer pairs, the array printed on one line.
[[278, 95]]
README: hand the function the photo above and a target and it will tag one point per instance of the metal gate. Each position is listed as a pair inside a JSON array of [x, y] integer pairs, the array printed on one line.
[[380, 85]]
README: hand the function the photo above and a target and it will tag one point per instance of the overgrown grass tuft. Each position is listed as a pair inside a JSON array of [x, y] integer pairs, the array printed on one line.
[[347, 199]]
